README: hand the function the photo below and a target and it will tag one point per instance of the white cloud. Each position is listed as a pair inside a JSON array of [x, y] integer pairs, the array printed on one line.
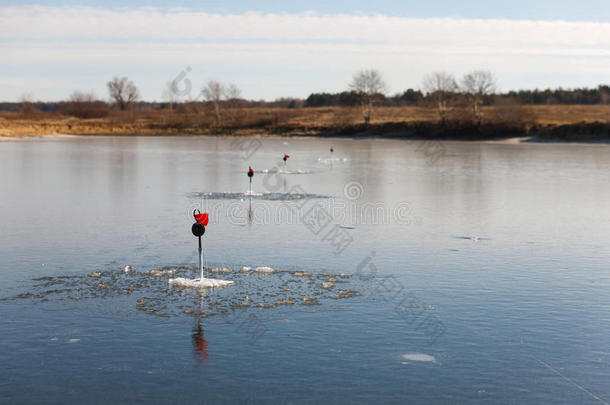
[[36, 22]]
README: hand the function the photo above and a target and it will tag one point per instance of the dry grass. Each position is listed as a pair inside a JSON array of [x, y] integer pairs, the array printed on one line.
[[276, 120]]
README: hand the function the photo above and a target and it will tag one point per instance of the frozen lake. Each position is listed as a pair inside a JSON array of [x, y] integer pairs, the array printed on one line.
[[398, 272]]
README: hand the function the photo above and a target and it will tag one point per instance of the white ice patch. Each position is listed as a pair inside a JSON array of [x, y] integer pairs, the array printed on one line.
[[424, 358], [198, 283], [223, 270], [73, 340], [264, 270], [297, 171], [333, 159], [252, 193]]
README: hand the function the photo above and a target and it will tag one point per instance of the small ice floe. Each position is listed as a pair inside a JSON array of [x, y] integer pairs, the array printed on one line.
[[264, 270], [127, 269], [54, 339], [198, 283], [223, 270], [73, 340], [327, 285], [419, 357], [163, 273], [245, 270]]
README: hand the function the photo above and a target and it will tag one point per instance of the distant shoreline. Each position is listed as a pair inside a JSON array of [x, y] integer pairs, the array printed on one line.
[[571, 124], [581, 133]]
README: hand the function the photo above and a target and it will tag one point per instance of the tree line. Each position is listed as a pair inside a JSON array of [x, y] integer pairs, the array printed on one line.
[[414, 97], [366, 90]]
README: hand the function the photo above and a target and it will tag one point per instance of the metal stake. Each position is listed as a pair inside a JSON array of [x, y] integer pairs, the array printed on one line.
[[200, 260]]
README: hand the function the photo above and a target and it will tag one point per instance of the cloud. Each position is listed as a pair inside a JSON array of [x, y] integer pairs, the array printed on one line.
[[272, 55], [85, 23]]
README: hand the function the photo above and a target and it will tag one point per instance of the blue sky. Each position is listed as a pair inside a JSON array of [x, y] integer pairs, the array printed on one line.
[[570, 10], [272, 49]]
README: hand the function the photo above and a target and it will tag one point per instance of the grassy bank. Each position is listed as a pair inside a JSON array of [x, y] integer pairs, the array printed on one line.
[[557, 123]]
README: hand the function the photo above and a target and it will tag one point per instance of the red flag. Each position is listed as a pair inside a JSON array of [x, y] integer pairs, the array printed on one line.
[[286, 156], [202, 219]]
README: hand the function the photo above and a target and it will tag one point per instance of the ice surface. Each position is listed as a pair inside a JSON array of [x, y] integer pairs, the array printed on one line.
[[198, 283]]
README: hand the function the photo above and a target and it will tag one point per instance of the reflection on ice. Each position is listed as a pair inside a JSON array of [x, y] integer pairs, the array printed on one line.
[[472, 238]]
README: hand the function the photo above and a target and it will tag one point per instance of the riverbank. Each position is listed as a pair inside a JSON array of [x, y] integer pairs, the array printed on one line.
[[537, 123]]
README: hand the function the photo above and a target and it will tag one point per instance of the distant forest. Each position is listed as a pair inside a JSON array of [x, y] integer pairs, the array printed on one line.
[[410, 97]]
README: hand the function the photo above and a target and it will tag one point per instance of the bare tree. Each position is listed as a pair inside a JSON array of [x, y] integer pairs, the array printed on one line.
[[233, 102], [123, 92], [214, 92], [476, 85], [370, 86], [441, 86], [169, 94]]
